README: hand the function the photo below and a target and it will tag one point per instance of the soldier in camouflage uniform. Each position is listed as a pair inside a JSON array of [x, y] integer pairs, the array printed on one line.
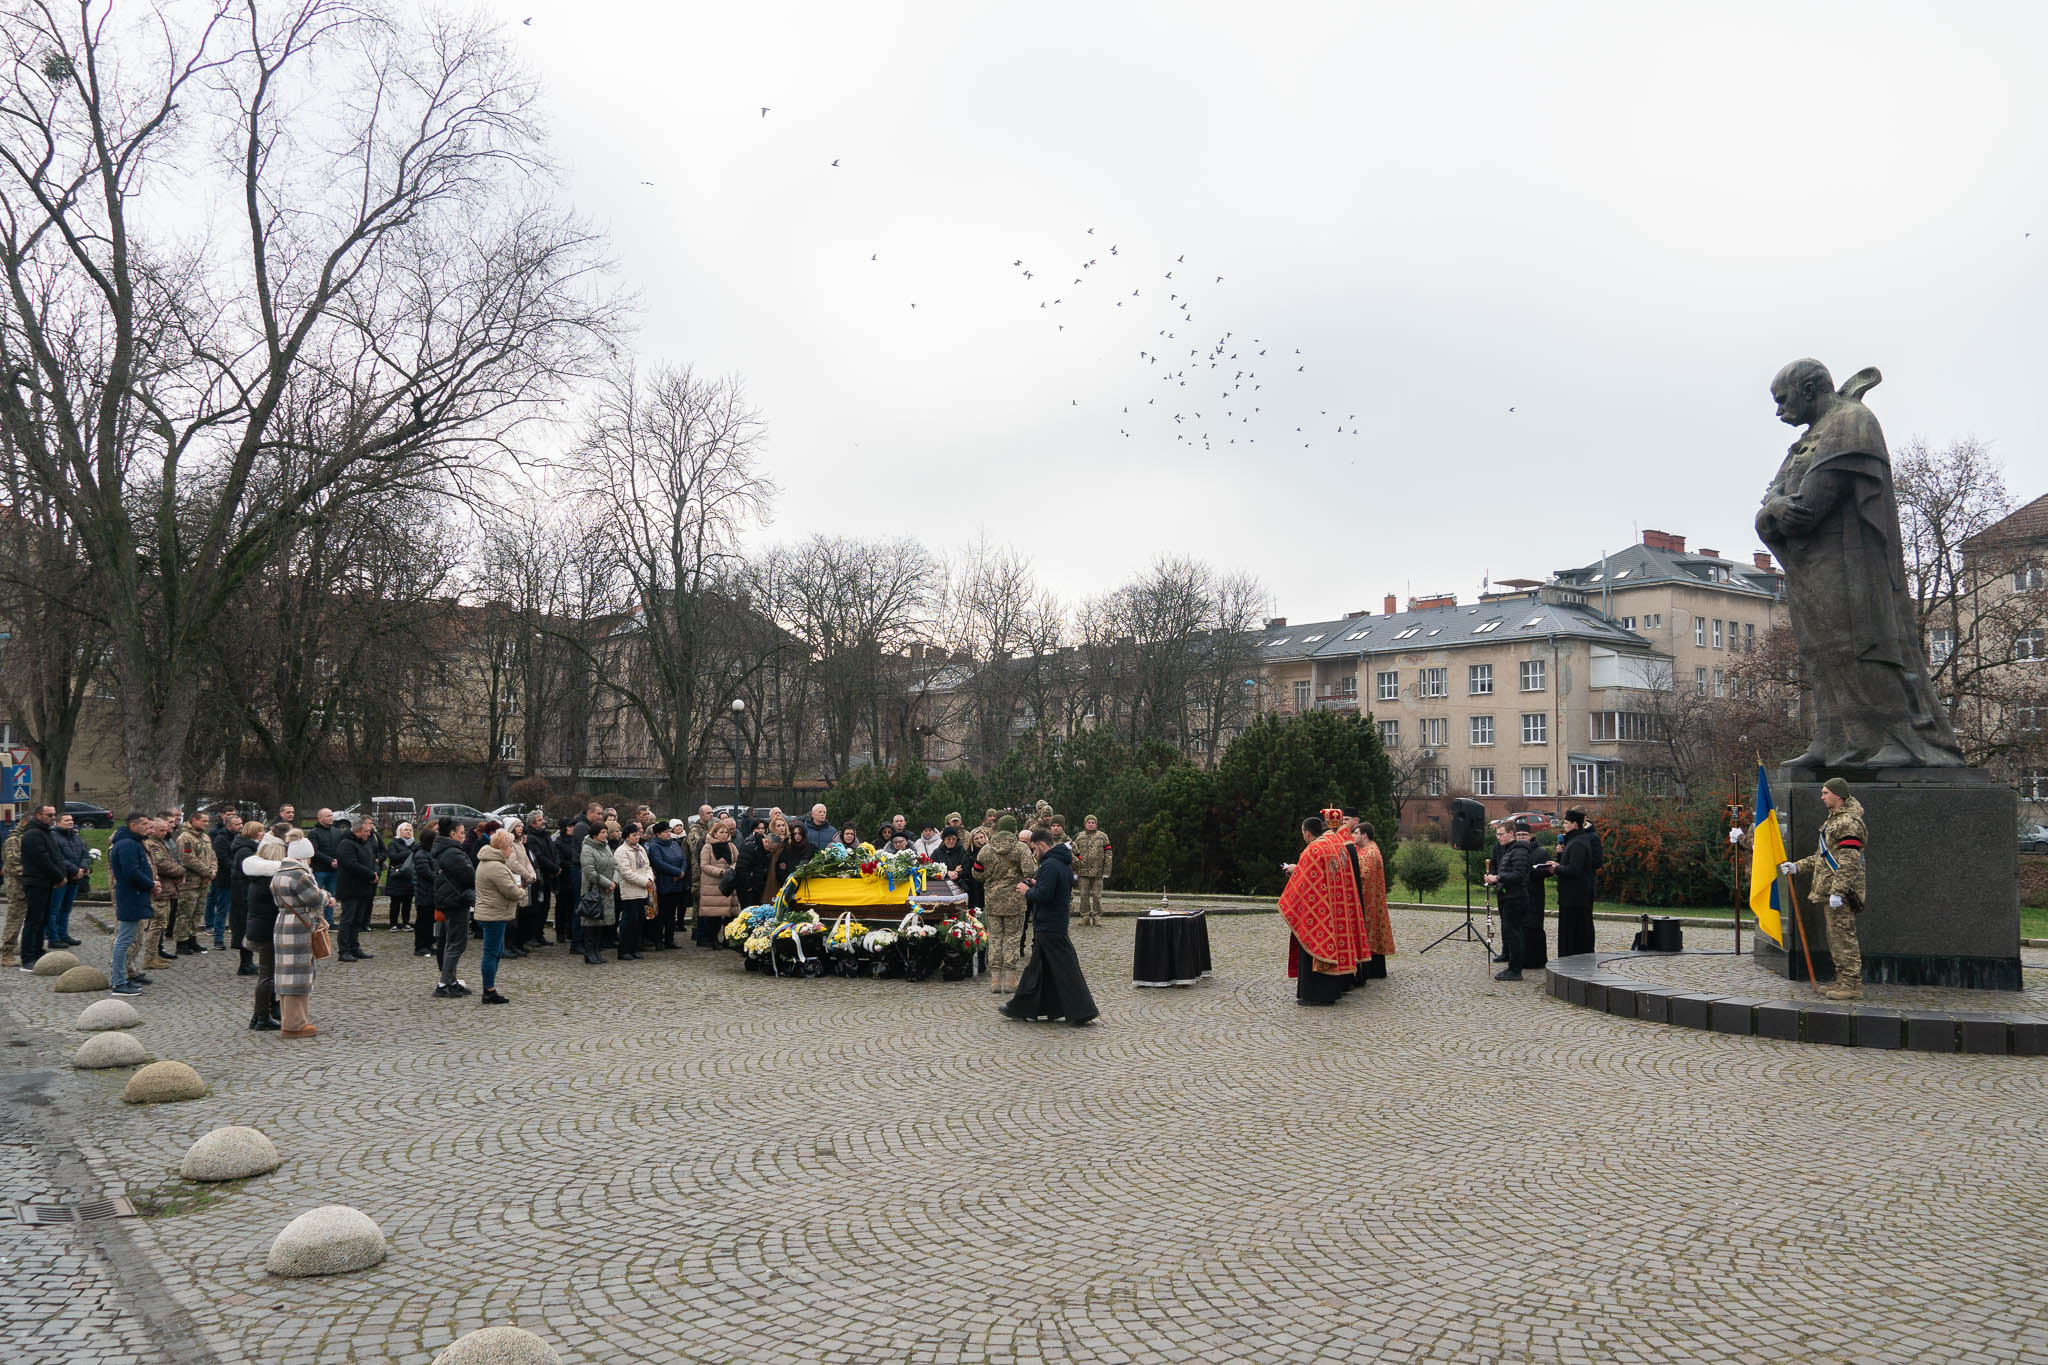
[[1092, 856], [1837, 868], [1002, 863], [196, 856], [17, 899], [170, 876]]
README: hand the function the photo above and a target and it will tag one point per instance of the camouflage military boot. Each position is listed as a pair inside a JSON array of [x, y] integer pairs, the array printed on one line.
[[1845, 988]]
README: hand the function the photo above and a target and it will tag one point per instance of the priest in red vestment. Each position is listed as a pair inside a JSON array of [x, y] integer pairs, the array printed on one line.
[[1371, 870], [1322, 907]]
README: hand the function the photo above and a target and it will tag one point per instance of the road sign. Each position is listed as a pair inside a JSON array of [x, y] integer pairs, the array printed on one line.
[[15, 782]]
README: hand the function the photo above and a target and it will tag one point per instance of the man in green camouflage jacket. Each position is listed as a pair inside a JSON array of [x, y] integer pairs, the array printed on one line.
[[1092, 856], [1837, 867], [17, 899]]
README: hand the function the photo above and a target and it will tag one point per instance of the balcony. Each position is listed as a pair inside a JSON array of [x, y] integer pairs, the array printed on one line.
[[1338, 701]]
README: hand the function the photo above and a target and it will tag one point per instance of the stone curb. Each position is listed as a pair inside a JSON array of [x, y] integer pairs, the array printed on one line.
[[1585, 982]]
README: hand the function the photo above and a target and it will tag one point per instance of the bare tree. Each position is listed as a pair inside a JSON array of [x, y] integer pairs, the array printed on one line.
[[1981, 626], [384, 266], [323, 633], [859, 606], [994, 618], [54, 650], [670, 477]]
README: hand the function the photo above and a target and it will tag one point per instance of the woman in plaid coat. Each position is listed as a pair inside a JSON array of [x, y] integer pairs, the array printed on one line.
[[299, 902]]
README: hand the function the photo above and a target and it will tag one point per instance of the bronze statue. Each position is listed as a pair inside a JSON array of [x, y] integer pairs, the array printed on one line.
[[1832, 521]]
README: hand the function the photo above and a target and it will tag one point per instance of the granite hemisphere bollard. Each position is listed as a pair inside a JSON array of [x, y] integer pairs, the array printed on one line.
[[163, 1083], [111, 1048], [106, 1014], [77, 979], [499, 1346], [235, 1152], [333, 1239], [55, 963]]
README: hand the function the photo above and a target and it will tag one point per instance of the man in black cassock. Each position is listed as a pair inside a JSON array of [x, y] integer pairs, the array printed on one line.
[[1052, 986]]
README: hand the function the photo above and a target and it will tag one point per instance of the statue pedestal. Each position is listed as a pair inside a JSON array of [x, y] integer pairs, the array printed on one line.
[[1942, 868]]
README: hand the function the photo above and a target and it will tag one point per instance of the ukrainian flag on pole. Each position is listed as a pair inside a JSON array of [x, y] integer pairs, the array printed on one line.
[[1768, 850]]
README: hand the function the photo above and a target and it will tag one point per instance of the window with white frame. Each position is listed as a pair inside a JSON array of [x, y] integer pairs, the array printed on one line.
[[1481, 781], [1536, 781], [1535, 727], [1387, 686], [1404, 634], [2034, 784], [1749, 637], [1653, 621], [1436, 682], [1699, 679], [1436, 781], [1479, 680], [1436, 732], [1487, 627], [2026, 717], [1301, 695], [1627, 727], [1720, 683], [1482, 730], [1941, 643], [508, 747], [1699, 631], [1532, 675], [2030, 645], [2026, 578], [1628, 623], [1717, 632], [1592, 779], [1390, 734]]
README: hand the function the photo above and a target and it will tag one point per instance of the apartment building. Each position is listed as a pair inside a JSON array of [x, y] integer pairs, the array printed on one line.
[[1539, 695], [1987, 647], [1699, 607]]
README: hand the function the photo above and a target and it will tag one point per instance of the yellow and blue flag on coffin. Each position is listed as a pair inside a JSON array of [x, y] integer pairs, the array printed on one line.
[[1768, 851]]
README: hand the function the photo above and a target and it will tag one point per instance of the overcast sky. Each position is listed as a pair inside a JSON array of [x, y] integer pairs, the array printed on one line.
[[1539, 261]]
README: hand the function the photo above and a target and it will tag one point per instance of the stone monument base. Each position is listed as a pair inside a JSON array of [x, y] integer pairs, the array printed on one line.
[[1943, 871]]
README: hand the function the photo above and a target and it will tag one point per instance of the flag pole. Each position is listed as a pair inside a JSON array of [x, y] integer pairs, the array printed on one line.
[[1799, 918]]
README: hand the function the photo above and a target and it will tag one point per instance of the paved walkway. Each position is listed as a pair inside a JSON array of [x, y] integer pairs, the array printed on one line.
[[676, 1161]]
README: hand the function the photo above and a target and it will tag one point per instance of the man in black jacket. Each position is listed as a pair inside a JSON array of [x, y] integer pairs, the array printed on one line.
[[42, 872], [1577, 866], [355, 886], [1052, 986], [1513, 867], [218, 896], [532, 924], [326, 837], [568, 847], [454, 894]]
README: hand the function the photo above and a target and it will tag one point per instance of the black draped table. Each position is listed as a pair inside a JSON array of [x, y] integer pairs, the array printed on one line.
[[1172, 950]]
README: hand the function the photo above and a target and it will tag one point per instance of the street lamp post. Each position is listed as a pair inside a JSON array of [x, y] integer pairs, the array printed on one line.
[[738, 713]]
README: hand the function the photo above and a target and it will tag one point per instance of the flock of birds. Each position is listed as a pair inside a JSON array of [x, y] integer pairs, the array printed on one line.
[[1217, 388]]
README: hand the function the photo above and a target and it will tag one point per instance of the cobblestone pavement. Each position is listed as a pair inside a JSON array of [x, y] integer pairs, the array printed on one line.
[[1744, 976], [672, 1160], [60, 1299]]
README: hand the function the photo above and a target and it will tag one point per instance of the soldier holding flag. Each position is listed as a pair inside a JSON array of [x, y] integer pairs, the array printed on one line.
[[1837, 867]]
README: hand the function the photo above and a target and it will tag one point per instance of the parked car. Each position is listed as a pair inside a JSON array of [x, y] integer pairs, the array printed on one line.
[[510, 811], [387, 811], [1540, 822], [88, 816], [453, 810], [2034, 838]]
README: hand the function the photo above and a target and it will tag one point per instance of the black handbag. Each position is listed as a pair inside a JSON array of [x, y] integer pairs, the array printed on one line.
[[594, 907], [728, 880]]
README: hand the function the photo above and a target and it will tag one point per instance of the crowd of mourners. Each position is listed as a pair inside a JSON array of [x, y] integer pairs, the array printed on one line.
[[605, 885]]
